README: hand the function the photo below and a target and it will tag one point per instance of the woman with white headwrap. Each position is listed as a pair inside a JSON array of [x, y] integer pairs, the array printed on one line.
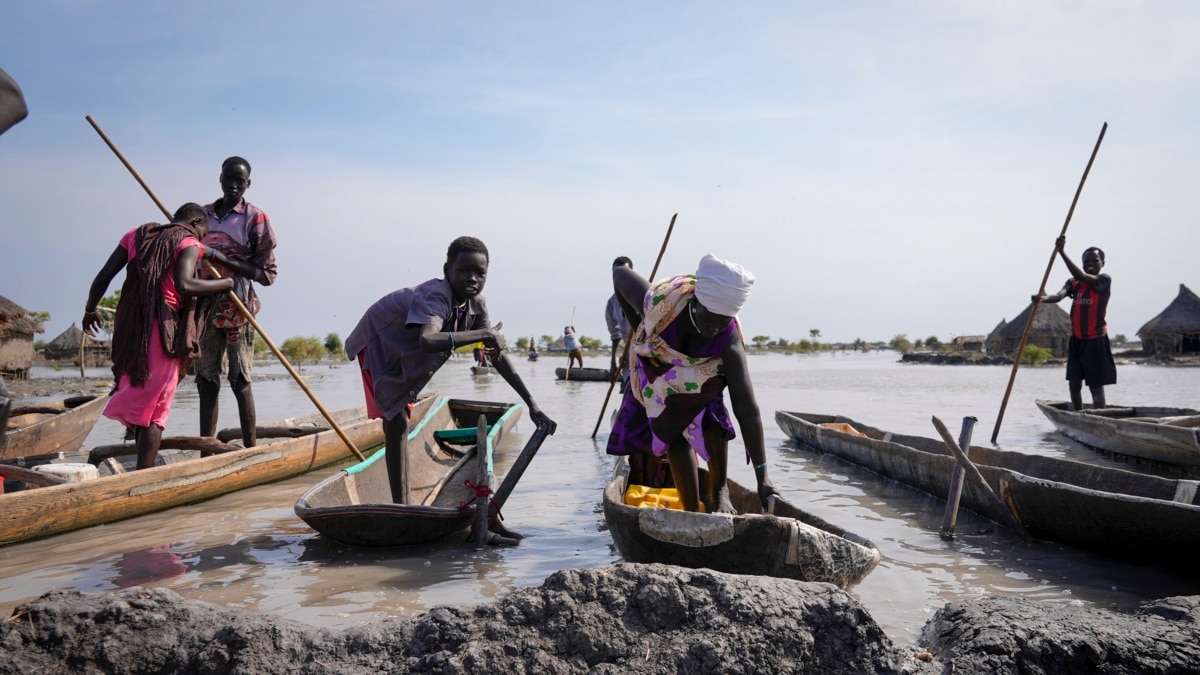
[[686, 351]]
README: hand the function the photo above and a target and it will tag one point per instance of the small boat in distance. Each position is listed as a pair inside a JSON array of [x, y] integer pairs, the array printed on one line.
[[584, 374], [355, 506], [1125, 514], [50, 426], [1154, 433], [789, 542]]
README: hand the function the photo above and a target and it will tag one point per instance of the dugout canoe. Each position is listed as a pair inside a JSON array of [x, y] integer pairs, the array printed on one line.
[[41, 512], [48, 427], [1154, 433], [483, 371], [789, 543], [1124, 514], [584, 374], [354, 506]]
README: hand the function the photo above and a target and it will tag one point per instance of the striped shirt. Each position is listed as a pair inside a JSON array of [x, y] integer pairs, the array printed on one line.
[[1088, 307]]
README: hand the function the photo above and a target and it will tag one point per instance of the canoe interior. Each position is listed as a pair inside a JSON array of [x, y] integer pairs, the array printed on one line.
[[1164, 436], [746, 543], [48, 433]]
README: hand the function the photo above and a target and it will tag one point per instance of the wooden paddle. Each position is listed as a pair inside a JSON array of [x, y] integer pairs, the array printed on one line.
[[237, 302], [1042, 290], [629, 338], [972, 474]]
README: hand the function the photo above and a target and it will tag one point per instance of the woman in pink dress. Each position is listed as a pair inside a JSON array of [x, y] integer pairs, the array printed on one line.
[[159, 320]]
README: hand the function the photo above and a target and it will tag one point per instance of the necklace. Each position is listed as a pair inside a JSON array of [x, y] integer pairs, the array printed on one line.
[[692, 314]]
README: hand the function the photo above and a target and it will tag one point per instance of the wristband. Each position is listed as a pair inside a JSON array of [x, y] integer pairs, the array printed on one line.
[[452, 341], [758, 467]]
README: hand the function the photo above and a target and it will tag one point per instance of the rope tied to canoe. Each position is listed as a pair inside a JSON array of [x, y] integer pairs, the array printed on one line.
[[482, 491]]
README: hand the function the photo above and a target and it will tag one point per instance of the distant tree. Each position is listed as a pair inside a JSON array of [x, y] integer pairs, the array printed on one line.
[[901, 344], [1035, 354], [859, 344], [260, 345], [814, 333], [590, 343], [933, 343], [333, 344], [805, 346], [39, 345], [919, 344], [39, 317], [303, 349], [522, 344], [760, 341], [781, 343], [547, 340], [1120, 339]]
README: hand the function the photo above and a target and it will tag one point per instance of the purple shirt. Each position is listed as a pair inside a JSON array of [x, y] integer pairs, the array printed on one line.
[[244, 234], [390, 332]]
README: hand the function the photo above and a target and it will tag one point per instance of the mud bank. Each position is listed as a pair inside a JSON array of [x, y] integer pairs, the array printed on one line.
[[619, 619]]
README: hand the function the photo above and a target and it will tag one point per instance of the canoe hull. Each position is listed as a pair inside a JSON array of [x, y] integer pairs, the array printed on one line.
[[354, 505], [41, 512], [1113, 432], [64, 432], [584, 374], [1121, 513], [790, 544]]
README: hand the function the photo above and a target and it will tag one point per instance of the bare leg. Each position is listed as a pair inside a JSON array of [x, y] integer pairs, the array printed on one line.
[[246, 416], [1076, 394], [1097, 397], [209, 392], [685, 473], [717, 490], [148, 439], [395, 433]]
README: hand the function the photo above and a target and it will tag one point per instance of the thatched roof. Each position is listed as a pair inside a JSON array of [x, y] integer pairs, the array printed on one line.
[[10, 310], [68, 340], [996, 332], [1051, 320], [1181, 316]]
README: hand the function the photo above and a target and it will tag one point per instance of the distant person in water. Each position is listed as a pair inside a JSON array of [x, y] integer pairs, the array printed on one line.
[[571, 342], [243, 233], [159, 323], [533, 352], [616, 317], [407, 335], [1089, 354], [686, 352]]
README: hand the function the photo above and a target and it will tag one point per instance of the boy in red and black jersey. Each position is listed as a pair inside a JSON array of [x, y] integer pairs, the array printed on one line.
[[1089, 355]]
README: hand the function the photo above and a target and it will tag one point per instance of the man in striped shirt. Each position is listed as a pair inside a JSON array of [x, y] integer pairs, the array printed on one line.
[[1089, 355]]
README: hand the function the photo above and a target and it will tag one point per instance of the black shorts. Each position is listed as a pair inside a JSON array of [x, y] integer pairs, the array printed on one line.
[[1091, 361]]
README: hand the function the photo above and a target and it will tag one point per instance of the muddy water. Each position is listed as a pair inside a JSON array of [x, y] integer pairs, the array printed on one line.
[[249, 550]]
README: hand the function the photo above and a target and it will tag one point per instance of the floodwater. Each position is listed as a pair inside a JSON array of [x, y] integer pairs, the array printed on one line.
[[249, 550]]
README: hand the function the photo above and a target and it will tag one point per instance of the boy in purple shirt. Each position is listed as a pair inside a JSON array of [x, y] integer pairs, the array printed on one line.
[[402, 340], [243, 233]]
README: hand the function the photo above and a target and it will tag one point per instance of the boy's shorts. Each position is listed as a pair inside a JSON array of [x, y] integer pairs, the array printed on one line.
[[1091, 361], [218, 343]]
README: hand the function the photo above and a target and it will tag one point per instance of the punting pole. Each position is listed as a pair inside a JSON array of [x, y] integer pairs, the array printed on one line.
[[629, 338], [237, 302], [950, 519], [1042, 291]]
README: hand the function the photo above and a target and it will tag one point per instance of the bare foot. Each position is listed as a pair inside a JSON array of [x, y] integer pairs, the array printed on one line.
[[724, 504]]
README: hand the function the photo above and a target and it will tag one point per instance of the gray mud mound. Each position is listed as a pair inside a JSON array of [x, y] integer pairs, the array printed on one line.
[[620, 619]]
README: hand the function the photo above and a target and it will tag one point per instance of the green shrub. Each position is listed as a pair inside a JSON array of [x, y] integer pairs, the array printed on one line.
[[1034, 355]]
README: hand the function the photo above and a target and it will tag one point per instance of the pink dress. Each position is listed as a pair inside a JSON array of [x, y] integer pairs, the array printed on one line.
[[151, 402]]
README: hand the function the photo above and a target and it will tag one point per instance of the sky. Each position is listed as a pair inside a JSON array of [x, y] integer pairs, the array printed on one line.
[[881, 167]]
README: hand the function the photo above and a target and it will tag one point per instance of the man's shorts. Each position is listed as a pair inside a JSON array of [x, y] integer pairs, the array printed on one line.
[[220, 344], [1091, 361]]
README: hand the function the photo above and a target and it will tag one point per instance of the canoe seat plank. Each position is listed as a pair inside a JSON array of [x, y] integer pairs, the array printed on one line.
[[463, 436]]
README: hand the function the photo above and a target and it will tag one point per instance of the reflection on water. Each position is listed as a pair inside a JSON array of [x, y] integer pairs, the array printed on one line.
[[249, 550]]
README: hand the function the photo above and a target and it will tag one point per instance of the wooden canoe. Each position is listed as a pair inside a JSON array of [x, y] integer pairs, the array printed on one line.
[[1121, 513], [51, 426], [34, 513], [1157, 434], [791, 543], [355, 506], [584, 374], [483, 371]]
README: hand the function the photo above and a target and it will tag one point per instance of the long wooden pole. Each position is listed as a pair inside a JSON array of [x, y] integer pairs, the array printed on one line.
[[629, 338], [972, 473], [237, 302], [1042, 291]]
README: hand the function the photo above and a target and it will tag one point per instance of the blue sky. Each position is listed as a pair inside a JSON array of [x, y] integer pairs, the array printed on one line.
[[882, 167]]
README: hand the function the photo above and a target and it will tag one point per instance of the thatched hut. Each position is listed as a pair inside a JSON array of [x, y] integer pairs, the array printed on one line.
[[16, 339], [968, 343], [995, 341], [65, 347], [1176, 330], [1051, 329]]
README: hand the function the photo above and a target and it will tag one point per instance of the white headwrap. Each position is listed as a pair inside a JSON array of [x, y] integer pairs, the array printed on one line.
[[722, 286]]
